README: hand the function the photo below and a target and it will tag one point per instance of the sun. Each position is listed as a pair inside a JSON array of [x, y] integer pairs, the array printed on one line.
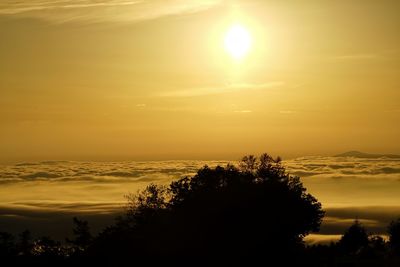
[[237, 41]]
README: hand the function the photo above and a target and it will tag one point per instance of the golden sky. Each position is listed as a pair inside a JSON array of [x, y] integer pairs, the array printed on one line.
[[120, 79]]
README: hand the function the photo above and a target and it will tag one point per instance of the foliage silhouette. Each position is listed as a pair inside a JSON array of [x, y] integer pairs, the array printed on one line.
[[7, 245], [394, 236], [223, 214], [354, 239], [82, 234], [25, 244]]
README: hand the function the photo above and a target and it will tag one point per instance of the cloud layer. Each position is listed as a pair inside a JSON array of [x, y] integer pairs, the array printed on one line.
[[348, 188], [101, 172], [345, 167], [89, 187]]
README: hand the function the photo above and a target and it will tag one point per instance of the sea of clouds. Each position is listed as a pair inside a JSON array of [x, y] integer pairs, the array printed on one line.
[[44, 196], [351, 188]]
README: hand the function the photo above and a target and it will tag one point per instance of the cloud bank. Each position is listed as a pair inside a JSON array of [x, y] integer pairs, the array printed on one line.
[[54, 191]]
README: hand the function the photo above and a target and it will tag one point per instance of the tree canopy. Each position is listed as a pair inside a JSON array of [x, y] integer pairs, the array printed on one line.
[[355, 238], [254, 211]]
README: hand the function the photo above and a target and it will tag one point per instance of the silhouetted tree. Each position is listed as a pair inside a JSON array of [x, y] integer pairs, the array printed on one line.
[[147, 203], [376, 249], [354, 239], [394, 235], [269, 167], [7, 245], [25, 244], [82, 234], [224, 214], [248, 163]]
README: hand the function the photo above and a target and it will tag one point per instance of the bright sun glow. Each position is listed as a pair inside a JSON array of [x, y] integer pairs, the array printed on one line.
[[238, 41]]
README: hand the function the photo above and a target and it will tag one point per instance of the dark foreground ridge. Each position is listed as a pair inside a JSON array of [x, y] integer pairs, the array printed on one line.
[[251, 215]]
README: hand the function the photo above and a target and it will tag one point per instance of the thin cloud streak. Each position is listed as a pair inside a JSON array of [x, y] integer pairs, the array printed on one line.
[[102, 10], [230, 88], [359, 56], [16, 8]]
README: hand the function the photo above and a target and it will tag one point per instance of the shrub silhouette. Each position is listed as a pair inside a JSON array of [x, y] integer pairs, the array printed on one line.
[[82, 234], [394, 236], [7, 246], [354, 239], [224, 214], [25, 244]]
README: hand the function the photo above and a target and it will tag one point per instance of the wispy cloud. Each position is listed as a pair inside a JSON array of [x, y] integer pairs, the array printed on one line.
[[243, 111], [101, 10], [362, 56], [10, 7], [287, 112], [215, 90]]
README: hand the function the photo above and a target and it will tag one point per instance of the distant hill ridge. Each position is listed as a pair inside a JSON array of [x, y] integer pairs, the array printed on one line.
[[358, 154]]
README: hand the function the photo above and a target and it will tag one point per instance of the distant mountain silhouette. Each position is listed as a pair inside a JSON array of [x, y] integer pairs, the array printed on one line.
[[358, 154]]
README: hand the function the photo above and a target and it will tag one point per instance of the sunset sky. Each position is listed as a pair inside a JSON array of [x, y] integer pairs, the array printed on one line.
[[123, 79]]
